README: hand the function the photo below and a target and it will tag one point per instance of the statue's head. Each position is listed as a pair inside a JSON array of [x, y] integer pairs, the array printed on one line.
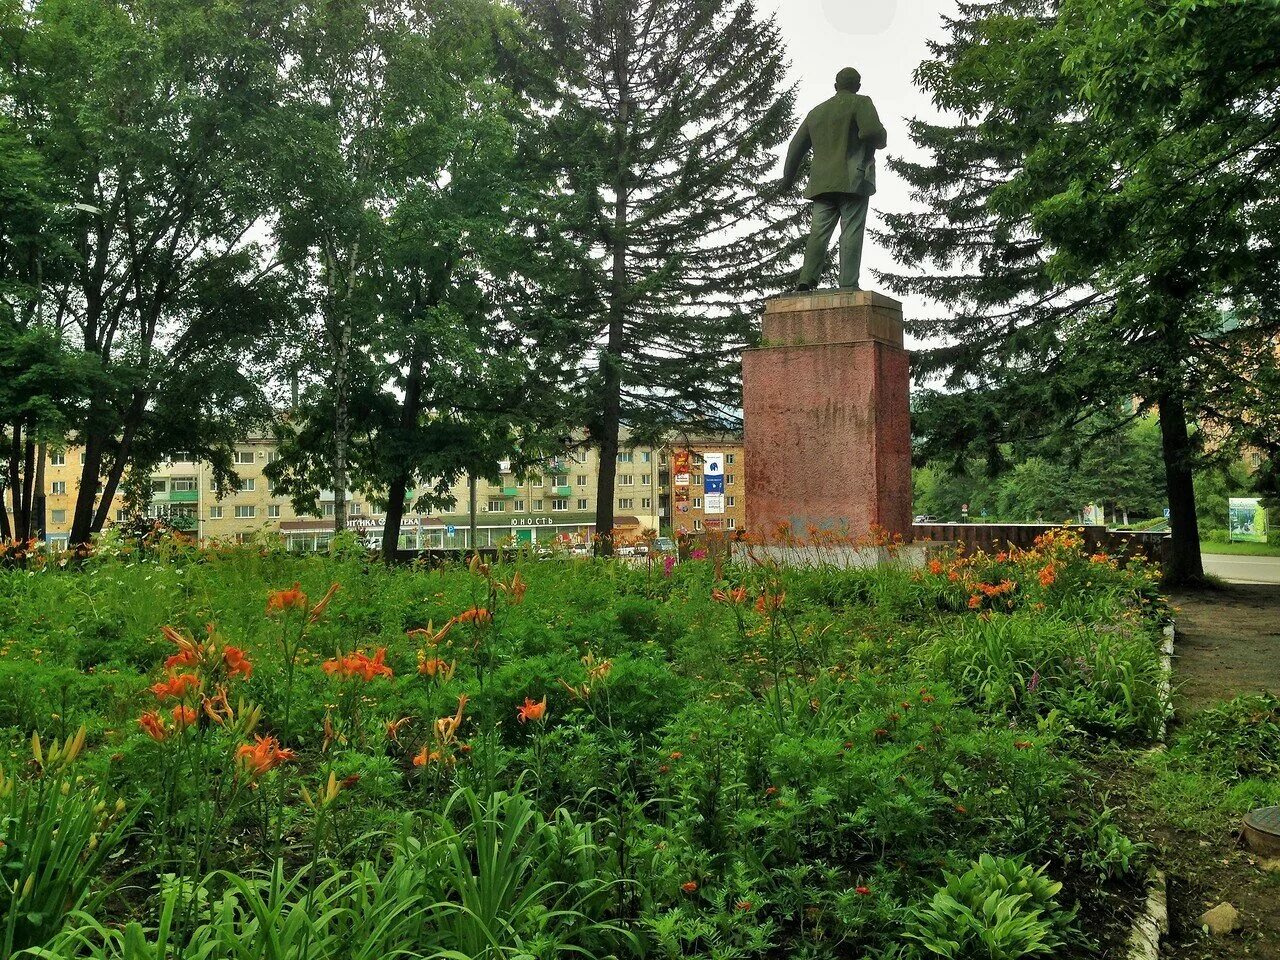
[[849, 79]]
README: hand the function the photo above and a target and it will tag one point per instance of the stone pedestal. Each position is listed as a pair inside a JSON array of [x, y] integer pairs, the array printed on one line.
[[826, 406]]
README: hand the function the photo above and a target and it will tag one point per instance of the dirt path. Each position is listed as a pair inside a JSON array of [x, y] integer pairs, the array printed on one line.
[[1228, 644]]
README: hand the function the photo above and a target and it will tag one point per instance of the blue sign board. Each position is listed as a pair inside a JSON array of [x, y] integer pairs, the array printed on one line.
[[713, 473], [451, 530]]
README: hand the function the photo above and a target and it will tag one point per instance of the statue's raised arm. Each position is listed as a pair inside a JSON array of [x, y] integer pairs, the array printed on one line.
[[844, 134]]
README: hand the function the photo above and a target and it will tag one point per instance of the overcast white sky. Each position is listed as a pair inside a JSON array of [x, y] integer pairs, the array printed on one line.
[[885, 40]]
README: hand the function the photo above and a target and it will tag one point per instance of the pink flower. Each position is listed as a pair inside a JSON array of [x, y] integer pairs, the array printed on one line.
[[668, 565], [698, 554]]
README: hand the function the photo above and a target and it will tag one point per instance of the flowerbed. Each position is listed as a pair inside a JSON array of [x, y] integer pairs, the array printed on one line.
[[319, 757]]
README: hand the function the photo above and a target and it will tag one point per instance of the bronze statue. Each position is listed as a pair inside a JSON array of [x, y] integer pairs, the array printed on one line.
[[844, 134]]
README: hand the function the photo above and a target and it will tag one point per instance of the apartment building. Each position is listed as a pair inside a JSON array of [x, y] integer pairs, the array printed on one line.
[[554, 503], [686, 506]]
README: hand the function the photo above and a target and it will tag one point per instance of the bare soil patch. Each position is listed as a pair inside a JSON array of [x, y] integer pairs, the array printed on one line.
[[1228, 644]]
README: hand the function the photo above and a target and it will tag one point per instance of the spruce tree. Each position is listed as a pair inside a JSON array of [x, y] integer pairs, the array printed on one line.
[[668, 115], [1082, 249]]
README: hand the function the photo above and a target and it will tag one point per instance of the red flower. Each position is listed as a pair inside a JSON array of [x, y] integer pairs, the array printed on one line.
[[770, 791], [690, 886], [743, 905], [531, 710], [1048, 574], [862, 891]]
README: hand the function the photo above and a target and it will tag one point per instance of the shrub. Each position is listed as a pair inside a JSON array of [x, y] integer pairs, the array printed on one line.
[[999, 909]]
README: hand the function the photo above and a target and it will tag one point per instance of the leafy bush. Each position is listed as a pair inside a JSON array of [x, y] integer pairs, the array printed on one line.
[[999, 909], [1237, 740]]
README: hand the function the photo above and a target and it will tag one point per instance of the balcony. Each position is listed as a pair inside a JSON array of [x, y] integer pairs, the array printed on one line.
[[565, 491], [510, 491], [184, 496]]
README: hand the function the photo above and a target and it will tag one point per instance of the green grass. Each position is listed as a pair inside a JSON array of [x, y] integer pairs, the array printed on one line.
[[1241, 549]]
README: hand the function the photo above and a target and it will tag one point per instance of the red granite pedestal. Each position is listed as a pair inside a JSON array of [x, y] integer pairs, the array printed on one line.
[[828, 427]]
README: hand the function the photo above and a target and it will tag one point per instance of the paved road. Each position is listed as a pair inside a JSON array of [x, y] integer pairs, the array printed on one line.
[[1243, 569]]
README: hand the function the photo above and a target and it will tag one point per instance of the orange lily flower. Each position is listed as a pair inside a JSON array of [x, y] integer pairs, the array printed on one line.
[[237, 663], [515, 589], [532, 711], [435, 666], [263, 756], [278, 601], [189, 651], [359, 664], [476, 615], [176, 686], [153, 724], [184, 716]]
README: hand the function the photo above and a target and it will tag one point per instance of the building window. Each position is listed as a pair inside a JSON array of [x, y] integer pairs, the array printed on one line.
[[731, 523], [59, 516], [626, 479], [559, 505], [244, 456], [273, 511], [159, 486], [215, 513], [582, 479], [121, 516], [497, 506], [245, 512], [695, 480], [697, 503], [537, 506], [697, 524], [83, 457], [626, 503], [624, 457], [646, 457], [58, 487], [730, 458], [186, 484], [646, 503], [730, 501], [560, 480], [58, 459], [646, 479], [582, 503], [354, 509], [273, 456], [330, 510], [248, 485], [729, 479], [181, 456]]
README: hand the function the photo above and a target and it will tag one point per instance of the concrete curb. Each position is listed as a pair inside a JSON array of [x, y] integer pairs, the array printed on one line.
[[1166, 682], [1152, 923]]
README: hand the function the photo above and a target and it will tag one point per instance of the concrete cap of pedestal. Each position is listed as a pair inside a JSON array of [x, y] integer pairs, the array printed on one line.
[[832, 316]]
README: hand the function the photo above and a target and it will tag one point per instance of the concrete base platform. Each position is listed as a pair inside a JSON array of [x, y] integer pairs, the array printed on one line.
[[827, 416]]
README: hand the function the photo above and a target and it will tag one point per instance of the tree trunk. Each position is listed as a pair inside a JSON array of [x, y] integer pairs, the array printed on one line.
[[1184, 564], [28, 484], [471, 500], [112, 483], [341, 429], [82, 521], [15, 481], [39, 526], [400, 482], [611, 359]]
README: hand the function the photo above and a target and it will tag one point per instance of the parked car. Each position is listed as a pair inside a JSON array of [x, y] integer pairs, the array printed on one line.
[[926, 518], [664, 545]]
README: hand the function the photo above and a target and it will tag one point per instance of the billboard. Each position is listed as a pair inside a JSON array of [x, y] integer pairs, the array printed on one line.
[[1248, 520], [713, 503]]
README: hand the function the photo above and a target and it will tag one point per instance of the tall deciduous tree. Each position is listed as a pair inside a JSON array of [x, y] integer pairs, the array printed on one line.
[[669, 115], [1084, 241], [150, 117]]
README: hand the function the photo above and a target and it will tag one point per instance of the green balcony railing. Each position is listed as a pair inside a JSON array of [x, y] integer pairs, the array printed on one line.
[[510, 491], [562, 491], [184, 496]]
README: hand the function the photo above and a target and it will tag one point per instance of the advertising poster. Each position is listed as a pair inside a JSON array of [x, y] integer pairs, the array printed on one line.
[[713, 504], [680, 461], [1248, 520], [713, 472]]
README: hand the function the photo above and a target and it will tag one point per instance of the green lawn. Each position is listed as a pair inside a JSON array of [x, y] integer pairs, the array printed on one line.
[[1242, 549]]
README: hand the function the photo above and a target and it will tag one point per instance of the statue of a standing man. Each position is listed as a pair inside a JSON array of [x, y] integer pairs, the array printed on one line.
[[844, 134]]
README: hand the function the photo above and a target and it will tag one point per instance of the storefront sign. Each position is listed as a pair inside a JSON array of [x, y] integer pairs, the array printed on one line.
[[533, 522]]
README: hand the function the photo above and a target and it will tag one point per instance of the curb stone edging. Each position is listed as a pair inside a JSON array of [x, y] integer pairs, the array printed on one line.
[[1152, 923]]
